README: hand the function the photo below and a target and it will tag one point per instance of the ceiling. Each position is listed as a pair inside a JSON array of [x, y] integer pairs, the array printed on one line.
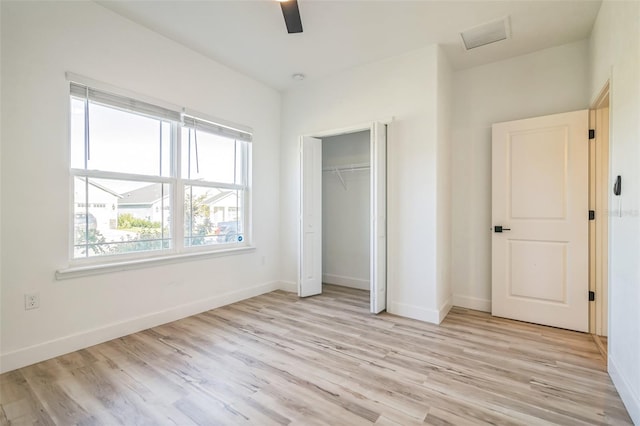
[[250, 36]]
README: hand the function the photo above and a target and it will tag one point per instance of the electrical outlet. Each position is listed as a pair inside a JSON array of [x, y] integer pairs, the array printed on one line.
[[31, 301]]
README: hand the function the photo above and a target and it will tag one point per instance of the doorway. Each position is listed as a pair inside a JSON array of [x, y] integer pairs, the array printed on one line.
[[346, 177], [558, 300], [343, 212]]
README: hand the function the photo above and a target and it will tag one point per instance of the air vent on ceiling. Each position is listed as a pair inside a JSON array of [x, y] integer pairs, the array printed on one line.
[[488, 33]]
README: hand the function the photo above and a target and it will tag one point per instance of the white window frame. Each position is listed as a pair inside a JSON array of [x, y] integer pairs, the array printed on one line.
[[245, 187], [178, 251]]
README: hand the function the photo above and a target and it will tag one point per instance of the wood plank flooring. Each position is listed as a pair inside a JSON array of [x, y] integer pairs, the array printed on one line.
[[276, 359]]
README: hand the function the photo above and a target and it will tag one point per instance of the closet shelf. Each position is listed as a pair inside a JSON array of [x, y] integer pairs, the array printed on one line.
[[347, 168], [337, 170]]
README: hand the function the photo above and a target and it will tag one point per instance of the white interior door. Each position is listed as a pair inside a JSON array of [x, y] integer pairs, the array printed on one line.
[[378, 261], [540, 199], [310, 265]]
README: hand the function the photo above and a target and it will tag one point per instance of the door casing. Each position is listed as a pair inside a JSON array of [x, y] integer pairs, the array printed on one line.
[[599, 185]]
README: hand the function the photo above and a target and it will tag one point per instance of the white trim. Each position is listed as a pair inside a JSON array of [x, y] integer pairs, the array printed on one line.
[[444, 309], [103, 268], [43, 351], [469, 302], [603, 88], [630, 398], [351, 282], [363, 127], [414, 312]]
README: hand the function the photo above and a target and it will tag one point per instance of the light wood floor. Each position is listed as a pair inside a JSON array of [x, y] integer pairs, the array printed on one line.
[[277, 359]]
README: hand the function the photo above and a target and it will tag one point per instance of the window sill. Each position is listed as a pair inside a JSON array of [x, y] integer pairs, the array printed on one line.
[[104, 268]]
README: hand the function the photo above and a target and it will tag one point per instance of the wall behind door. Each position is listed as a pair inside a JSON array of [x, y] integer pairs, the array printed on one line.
[[541, 83], [346, 212]]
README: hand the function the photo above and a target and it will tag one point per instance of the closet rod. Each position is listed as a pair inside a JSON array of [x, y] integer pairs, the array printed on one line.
[[347, 168]]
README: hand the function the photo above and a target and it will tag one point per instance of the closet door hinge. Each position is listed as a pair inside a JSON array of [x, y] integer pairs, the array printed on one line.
[[592, 296], [592, 215], [592, 134]]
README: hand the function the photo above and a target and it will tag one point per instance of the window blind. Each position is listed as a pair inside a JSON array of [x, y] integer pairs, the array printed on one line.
[[124, 103], [216, 129]]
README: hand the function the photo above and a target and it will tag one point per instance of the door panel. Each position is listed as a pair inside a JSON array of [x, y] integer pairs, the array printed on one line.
[[540, 198], [524, 282], [530, 150], [378, 259], [310, 264]]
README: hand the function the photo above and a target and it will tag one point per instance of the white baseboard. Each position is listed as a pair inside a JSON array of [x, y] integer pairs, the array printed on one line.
[[628, 395], [53, 348], [474, 303], [414, 312], [289, 286], [444, 310], [346, 281]]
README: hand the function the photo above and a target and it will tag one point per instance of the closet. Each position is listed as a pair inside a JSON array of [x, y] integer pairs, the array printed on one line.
[[343, 212], [346, 210]]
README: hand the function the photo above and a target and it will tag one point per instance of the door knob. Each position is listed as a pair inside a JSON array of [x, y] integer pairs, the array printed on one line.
[[499, 229]]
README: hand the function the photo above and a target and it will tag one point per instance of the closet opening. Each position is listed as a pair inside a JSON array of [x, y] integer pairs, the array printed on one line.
[[343, 204], [346, 219]]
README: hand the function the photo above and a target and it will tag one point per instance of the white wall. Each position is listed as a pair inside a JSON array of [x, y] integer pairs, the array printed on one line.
[[615, 54], [403, 87], [444, 185], [1, 108], [346, 211], [40, 41], [545, 82]]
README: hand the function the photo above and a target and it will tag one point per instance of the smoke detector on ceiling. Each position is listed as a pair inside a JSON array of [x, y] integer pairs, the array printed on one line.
[[488, 33]]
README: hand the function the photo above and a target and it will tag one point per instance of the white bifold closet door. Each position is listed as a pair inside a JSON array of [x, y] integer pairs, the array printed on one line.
[[378, 261], [310, 282]]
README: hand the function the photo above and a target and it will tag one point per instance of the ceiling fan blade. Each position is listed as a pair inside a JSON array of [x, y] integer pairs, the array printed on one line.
[[291, 15]]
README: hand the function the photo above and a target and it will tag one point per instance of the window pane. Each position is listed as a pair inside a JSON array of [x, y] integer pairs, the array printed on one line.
[[118, 216], [77, 133], [213, 216], [209, 157], [125, 142], [165, 167]]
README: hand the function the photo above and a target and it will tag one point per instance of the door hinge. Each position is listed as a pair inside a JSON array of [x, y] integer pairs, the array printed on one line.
[[592, 134], [592, 296], [592, 215]]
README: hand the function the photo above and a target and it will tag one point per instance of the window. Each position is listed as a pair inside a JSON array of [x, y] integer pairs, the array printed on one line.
[[152, 180], [215, 179]]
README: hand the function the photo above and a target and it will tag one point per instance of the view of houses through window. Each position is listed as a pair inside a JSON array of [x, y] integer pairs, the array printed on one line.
[[152, 182]]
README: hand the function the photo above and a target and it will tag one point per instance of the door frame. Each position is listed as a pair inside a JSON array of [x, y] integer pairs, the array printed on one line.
[[599, 184], [362, 127]]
